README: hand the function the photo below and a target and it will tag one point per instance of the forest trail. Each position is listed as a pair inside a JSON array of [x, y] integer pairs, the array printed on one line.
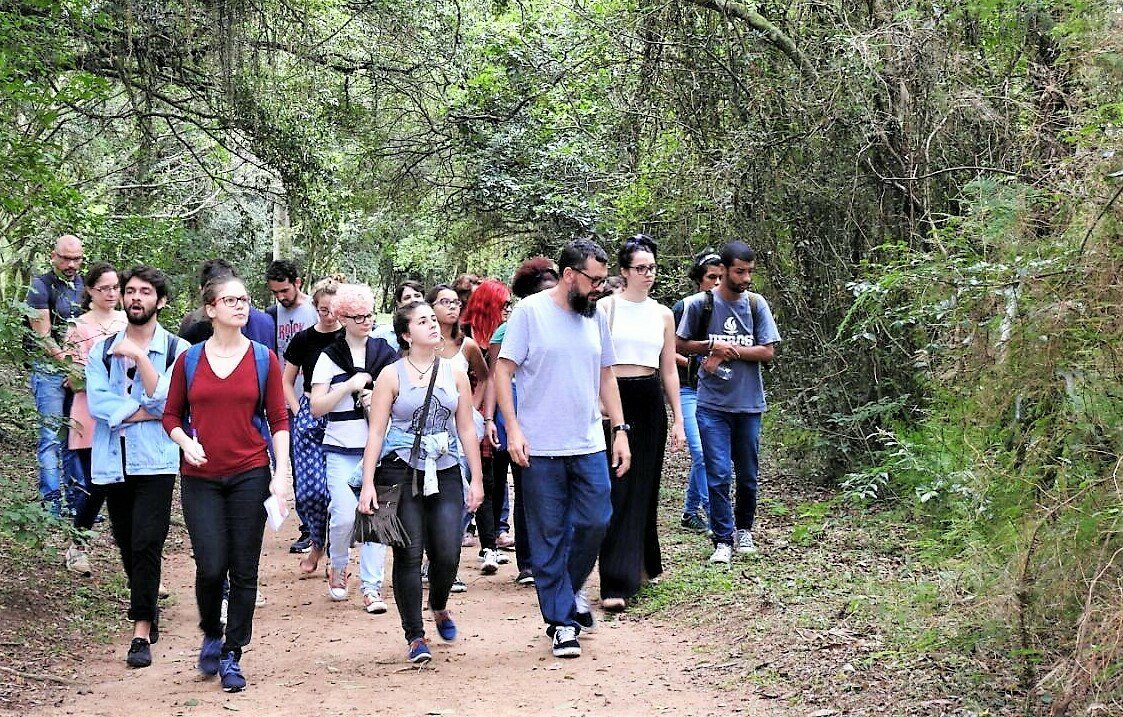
[[310, 656]]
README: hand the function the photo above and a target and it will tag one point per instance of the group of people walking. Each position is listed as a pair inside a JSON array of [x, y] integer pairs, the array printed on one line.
[[416, 424]]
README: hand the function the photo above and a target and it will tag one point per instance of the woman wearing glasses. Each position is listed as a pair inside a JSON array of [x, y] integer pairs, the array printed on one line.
[[101, 298], [225, 468], [465, 354], [309, 464], [643, 336], [341, 384]]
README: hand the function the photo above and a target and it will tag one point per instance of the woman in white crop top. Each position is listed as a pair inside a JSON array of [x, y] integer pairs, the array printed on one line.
[[643, 337]]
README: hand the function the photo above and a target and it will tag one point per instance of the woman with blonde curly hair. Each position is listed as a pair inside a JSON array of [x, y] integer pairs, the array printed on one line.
[[341, 384]]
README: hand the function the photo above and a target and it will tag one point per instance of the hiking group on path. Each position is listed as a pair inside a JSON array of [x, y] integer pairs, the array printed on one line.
[[400, 436]]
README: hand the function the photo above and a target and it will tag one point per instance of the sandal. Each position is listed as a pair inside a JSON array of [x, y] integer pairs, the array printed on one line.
[[314, 556]]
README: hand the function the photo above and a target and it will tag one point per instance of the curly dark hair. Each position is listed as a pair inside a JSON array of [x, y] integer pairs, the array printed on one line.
[[532, 275]]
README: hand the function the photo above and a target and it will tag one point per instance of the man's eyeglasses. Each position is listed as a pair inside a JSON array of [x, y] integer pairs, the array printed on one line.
[[112, 288], [232, 302], [450, 303], [359, 318], [645, 269], [596, 281], [72, 259]]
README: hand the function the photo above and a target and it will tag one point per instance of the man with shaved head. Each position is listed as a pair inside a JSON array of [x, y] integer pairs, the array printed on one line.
[[56, 296]]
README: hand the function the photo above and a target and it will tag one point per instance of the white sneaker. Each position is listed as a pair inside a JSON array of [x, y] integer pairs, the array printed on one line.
[[723, 553], [374, 604], [77, 562], [488, 564], [259, 599], [337, 584], [745, 542], [501, 557]]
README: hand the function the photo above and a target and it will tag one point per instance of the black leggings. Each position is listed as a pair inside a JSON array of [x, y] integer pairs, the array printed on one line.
[[487, 515], [226, 521], [87, 506], [433, 524]]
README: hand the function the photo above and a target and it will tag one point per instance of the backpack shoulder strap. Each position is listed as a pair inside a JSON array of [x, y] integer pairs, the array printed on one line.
[[172, 351], [105, 357], [261, 365], [703, 328], [191, 363]]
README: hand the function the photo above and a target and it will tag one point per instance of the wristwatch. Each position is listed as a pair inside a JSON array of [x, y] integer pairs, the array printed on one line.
[[622, 427]]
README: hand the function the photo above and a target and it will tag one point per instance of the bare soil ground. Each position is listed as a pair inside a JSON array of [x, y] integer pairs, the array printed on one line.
[[311, 656]]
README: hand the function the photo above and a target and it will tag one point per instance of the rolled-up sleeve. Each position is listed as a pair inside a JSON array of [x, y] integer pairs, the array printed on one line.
[[155, 403], [105, 403]]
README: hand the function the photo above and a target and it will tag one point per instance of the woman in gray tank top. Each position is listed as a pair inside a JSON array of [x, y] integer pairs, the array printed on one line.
[[431, 497]]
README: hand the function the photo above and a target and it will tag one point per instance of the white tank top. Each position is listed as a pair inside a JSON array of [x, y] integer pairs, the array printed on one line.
[[637, 330]]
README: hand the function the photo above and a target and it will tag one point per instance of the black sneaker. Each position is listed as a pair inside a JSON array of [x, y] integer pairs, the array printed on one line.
[[565, 641], [525, 577], [139, 653], [693, 522], [303, 544]]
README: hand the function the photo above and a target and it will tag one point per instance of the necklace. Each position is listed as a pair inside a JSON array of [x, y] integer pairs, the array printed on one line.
[[218, 355], [418, 370]]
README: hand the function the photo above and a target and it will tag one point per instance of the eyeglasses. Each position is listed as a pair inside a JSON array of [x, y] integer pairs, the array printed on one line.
[[596, 281], [232, 302], [450, 303], [112, 288], [645, 269], [323, 311], [72, 259], [359, 318], [508, 305]]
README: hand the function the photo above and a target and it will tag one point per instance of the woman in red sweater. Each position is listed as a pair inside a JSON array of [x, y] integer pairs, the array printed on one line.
[[225, 469]]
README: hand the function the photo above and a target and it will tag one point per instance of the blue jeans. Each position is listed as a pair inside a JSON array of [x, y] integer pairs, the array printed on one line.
[[730, 442], [341, 521], [568, 505], [697, 494], [49, 393]]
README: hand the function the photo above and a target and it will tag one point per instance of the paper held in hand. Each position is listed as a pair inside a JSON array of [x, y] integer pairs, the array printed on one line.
[[276, 512]]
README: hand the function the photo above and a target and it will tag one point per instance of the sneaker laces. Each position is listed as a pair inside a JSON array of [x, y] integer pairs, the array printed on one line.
[[230, 666]]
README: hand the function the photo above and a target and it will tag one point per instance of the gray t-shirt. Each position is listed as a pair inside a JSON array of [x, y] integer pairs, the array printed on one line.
[[291, 322], [406, 412], [741, 322], [559, 355]]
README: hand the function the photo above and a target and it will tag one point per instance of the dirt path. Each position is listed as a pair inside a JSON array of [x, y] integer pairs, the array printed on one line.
[[310, 657]]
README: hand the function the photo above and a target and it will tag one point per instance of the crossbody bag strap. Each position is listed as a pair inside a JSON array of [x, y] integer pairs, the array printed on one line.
[[421, 425]]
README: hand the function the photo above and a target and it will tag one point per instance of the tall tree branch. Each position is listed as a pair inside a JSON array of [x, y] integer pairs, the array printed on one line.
[[763, 25]]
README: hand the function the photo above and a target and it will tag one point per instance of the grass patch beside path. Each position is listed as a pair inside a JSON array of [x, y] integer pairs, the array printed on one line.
[[839, 610]]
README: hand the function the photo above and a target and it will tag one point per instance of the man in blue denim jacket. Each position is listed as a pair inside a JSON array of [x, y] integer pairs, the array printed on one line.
[[134, 461]]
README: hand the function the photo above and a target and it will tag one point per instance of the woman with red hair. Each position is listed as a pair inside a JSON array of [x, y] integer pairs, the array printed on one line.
[[484, 311], [484, 314]]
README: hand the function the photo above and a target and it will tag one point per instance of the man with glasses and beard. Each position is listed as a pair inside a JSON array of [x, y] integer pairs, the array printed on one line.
[[133, 459], [558, 348], [56, 297]]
